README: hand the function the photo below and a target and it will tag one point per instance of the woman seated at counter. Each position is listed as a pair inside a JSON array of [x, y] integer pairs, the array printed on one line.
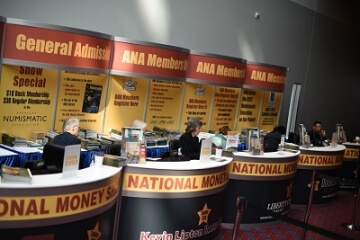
[[220, 138], [189, 141]]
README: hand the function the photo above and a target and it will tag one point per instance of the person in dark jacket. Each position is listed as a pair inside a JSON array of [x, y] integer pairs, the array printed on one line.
[[189, 141], [317, 135], [273, 139], [71, 130]]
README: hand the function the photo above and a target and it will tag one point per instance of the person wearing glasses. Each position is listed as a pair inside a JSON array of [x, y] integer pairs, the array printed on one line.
[[317, 135], [189, 141], [70, 135]]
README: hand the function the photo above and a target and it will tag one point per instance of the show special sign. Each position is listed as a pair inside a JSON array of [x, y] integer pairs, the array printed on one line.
[[154, 60], [322, 161], [50, 46], [265, 76], [164, 102], [125, 102], [27, 95], [197, 103], [270, 109], [81, 95], [249, 108], [211, 68], [1, 32], [224, 109]]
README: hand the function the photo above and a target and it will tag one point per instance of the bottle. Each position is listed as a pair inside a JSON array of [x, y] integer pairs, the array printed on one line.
[[142, 152]]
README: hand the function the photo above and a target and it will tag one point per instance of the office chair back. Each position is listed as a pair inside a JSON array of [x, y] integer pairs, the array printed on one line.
[[53, 155], [174, 144]]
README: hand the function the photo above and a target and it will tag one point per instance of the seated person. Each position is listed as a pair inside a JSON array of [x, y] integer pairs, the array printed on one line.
[[71, 131], [189, 141], [219, 140], [273, 139], [317, 135]]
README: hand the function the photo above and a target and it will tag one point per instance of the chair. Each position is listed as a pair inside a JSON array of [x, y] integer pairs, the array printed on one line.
[[113, 149], [51, 162], [172, 154], [53, 156], [174, 144]]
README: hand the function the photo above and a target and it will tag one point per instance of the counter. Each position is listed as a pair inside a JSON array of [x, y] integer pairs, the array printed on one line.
[[327, 161], [173, 200], [349, 174], [264, 180], [53, 207]]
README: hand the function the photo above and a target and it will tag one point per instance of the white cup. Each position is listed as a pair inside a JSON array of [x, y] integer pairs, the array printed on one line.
[[218, 152], [99, 161]]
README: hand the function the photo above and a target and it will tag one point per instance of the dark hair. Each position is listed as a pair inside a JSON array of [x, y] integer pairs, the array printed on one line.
[[280, 129], [192, 124], [317, 122], [224, 130]]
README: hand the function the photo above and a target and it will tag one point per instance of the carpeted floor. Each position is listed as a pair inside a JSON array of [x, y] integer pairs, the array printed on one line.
[[329, 217]]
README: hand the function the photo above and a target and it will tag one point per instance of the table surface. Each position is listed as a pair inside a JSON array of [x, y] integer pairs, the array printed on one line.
[[185, 165], [336, 148], [4, 153], [269, 155], [86, 175]]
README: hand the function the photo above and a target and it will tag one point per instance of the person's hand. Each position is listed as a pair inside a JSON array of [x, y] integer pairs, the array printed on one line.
[[323, 133]]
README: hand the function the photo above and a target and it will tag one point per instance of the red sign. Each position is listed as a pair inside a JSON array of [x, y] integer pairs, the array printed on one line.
[[216, 69], [1, 34], [149, 60], [48, 46], [265, 76]]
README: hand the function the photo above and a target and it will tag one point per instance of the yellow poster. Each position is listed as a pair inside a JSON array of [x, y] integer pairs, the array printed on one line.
[[125, 103], [249, 108], [197, 103], [270, 110], [27, 96], [164, 102], [81, 95], [224, 110]]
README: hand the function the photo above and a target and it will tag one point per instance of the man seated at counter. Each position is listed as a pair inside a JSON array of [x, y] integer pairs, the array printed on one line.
[[189, 141], [317, 135], [71, 130], [220, 138]]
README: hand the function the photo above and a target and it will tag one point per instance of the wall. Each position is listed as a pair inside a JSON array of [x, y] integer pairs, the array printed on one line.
[[318, 48]]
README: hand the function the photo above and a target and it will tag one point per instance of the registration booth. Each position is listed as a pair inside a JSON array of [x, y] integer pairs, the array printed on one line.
[[266, 181], [349, 174], [54, 207], [175, 200], [327, 163]]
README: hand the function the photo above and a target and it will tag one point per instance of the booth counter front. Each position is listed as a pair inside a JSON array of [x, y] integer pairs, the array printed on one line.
[[350, 170], [54, 207], [173, 200], [265, 181], [327, 163]]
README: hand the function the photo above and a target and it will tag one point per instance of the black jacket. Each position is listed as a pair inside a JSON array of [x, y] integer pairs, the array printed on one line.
[[190, 146], [65, 139], [316, 139]]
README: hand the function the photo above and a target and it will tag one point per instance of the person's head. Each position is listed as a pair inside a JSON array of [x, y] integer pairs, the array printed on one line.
[[89, 97], [224, 130], [72, 125], [317, 126], [193, 126], [139, 124], [280, 129]]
